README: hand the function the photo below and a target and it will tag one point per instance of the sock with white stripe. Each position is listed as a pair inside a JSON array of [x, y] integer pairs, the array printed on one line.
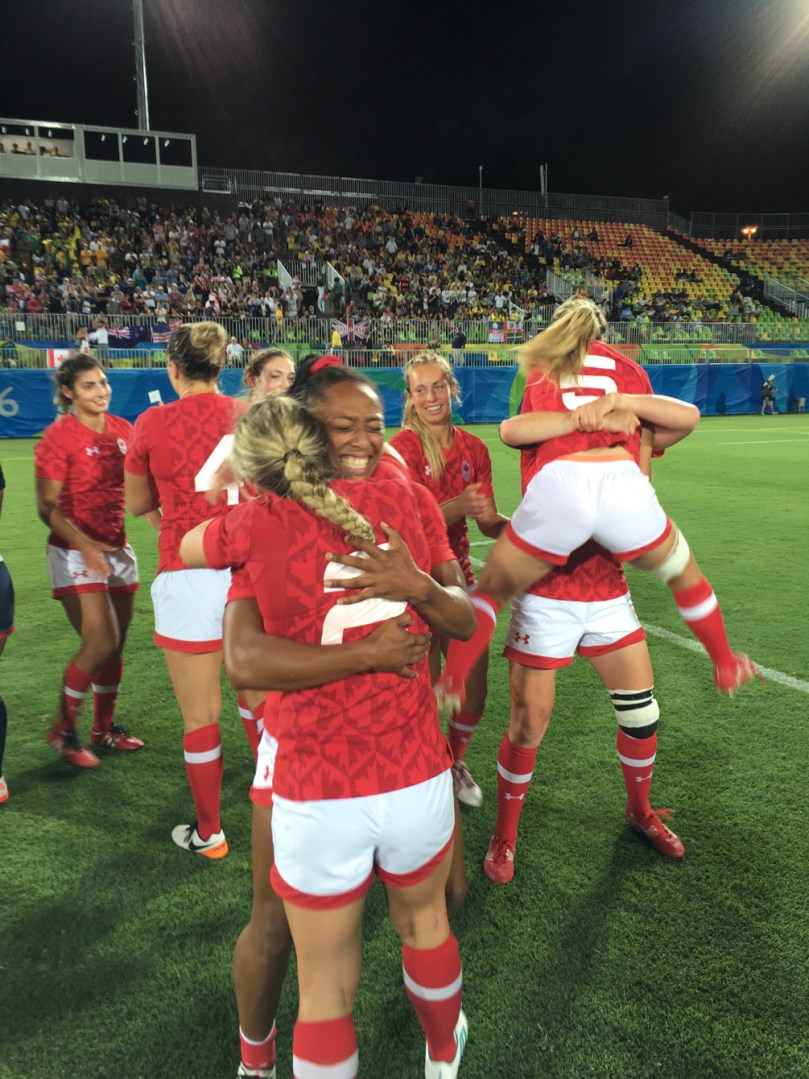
[[515, 767], [325, 1050], [253, 722], [637, 757], [461, 728], [463, 655], [74, 691], [699, 609], [433, 983], [202, 750], [106, 684], [260, 1055]]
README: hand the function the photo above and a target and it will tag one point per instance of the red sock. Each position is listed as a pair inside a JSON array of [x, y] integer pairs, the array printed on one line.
[[699, 609], [106, 683], [202, 750], [328, 1048], [463, 655], [637, 757], [258, 1055], [74, 691], [515, 766], [433, 982], [253, 723], [461, 728]]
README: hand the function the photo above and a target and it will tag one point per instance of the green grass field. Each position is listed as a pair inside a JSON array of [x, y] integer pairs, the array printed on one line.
[[601, 958]]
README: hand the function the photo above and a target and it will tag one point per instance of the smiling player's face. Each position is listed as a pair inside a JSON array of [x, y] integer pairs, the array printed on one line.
[[355, 428], [90, 392]]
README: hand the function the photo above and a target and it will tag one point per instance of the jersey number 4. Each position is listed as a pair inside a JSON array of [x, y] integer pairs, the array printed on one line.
[[365, 613], [204, 479]]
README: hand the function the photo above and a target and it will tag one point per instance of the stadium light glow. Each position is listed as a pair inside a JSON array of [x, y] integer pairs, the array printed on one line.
[[749, 231]]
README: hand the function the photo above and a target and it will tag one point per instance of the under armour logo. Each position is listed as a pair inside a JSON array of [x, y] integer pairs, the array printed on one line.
[[90, 450], [427, 470], [266, 773], [514, 797], [524, 637], [80, 573], [642, 779]]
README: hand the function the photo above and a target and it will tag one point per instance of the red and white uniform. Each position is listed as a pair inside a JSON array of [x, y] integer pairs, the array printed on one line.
[[583, 606], [171, 444], [90, 466], [435, 533], [359, 757], [569, 501], [467, 461]]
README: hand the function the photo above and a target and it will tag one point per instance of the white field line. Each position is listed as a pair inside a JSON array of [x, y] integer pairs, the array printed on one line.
[[762, 441], [688, 642]]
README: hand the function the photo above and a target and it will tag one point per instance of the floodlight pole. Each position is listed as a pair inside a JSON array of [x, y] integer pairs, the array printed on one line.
[[140, 66]]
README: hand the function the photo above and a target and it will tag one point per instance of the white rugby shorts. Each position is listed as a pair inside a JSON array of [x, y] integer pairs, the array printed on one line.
[[326, 852], [569, 502], [547, 633], [188, 609], [70, 576], [261, 789]]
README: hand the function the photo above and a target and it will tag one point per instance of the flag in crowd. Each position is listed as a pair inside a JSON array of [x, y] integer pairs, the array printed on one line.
[[351, 331], [162, 331], [127, 336]]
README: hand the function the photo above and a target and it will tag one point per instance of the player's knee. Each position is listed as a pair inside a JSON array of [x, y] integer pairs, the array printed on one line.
[[270, 927], [636, 710], [455, 892], [675, 561], [529, 719]]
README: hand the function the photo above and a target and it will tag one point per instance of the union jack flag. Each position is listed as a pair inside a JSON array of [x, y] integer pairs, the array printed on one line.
[[351, 331], [162, 332]]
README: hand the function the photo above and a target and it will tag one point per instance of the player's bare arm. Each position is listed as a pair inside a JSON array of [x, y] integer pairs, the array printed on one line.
[[532, 427], [256, 660], [140, 494], [92, 551]]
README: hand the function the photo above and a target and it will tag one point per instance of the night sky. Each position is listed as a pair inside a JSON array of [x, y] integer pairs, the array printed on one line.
[[706, 101]]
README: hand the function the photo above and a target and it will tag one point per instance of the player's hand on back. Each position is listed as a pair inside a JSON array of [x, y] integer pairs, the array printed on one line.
[[590, 417], [621, 421], [394, 648], [385, 573]]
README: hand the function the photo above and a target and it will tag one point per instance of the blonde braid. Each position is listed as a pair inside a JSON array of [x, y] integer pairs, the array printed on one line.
[[278, 446]]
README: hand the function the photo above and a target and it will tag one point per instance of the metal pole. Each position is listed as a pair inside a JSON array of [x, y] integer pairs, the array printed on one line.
[[140, 67], [480, 187]]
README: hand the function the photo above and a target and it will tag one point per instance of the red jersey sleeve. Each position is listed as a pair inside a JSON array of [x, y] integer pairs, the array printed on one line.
[[51, 455], [227, 539], [409, 446], [482, 470], [137, 452], [435, 527]]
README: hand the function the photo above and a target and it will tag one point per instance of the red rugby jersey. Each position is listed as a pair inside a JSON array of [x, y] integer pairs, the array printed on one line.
[[467, 461], [605, 371], [366, 734], [171, 443], [91, 468]]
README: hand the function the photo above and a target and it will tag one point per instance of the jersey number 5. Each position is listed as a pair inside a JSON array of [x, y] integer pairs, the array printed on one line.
[[365, 613], [587, 381]]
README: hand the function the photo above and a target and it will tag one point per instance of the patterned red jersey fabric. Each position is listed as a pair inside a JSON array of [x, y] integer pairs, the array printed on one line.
[[366, 734], [91, 468], [467, 461], [605, 371], [171, 443]]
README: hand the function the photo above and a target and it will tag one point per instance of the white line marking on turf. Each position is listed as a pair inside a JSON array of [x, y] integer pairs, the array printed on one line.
[[762, 441], [694, 646]]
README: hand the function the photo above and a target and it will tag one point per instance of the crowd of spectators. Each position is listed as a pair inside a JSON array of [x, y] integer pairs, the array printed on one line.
[[170, 262]]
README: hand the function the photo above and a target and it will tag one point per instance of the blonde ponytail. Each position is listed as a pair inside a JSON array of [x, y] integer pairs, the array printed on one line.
[[560, 350], [280, 447]]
